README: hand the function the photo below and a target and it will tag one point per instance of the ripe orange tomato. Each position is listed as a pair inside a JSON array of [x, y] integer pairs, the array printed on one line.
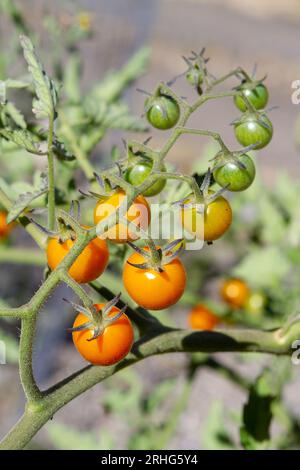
[[151, 289], [5, 228], [211, 225], [202, 318], [138, 213], [111, 346], [90, 263], [235, 292]]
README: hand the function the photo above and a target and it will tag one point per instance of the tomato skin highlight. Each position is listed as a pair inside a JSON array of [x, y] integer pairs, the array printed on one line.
[[5, 228], [202, 318], [120, 233], [215, 221], [235, 293], [153, 290], [89, 265], [139, 172], [164, 112], [258, 96], [250, 131], [110, 347], [237, 178]]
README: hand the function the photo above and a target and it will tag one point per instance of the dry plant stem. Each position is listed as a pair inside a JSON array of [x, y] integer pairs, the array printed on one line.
[[155, 338]]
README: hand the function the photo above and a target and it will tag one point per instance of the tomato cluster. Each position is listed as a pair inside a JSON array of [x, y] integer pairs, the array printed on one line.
[[154, 277]]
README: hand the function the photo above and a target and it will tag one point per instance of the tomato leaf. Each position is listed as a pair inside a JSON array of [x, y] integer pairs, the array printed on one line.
[[44, 105], [22, 138], [15, 114], [25, 199], [258, 411], [61, 152]]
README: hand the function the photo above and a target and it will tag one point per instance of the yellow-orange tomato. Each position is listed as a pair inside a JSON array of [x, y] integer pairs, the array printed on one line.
[[5, 228], [211, 225], [90, 263], [151, 289], [202, 318], [138, 213], [235, 292], [111, 346]]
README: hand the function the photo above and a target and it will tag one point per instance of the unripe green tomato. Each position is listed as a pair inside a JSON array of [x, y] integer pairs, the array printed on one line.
[[163, 112], [236, 177], [257, 96], [256, 303], [249, 130], [139, 172]]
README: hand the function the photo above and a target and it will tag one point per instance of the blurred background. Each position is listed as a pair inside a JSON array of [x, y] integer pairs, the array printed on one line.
[[174, 401]]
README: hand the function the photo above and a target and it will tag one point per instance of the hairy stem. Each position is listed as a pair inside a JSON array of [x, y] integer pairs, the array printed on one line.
[[51, 177]]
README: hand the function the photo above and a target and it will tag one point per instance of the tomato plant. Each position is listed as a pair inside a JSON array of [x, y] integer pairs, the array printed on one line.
[[63, 137]]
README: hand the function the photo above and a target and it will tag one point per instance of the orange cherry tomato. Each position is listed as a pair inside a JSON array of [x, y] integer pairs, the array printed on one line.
[[138, 213], [211, 225], [90, 263], [235, 292], [5, 228], [202, 318], [111, 346], [151, 289]]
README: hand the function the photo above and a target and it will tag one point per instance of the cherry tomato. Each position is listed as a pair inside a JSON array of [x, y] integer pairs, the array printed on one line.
[[111, 346], [151, 289], [163, 112], [257, 95], [202, 318], [235, 292], [5, 228], [139, 172], [249, 130], [139, 213], [90, 263], [211, 225], [256, 303], [235, 178]]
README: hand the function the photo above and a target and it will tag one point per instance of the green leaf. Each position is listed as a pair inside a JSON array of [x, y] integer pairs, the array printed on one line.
[[25, 199], [110, 89], [214, 434], [65, 438], [45, 104], [15, 114], [263, 267], [258, 411], [71, 79], [22, 138], [61, 152]]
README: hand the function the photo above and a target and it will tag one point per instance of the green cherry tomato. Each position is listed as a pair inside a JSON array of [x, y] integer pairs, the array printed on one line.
[[257, 95], [139, 172], [162, 112], [252, 129], [233, 176]]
